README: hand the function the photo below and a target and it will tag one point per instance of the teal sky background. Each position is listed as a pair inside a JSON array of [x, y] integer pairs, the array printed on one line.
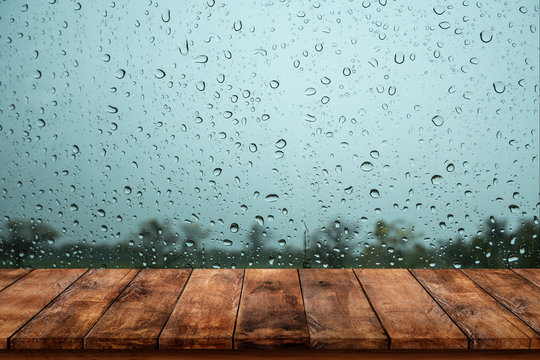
[[287, 113]]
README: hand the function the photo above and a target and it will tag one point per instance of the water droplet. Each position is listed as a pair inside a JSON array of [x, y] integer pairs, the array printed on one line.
[[41, 122], [200, 85], [271, 198], [111, 109], [374, 154], [227, 242], [348, 190], [366, 166], [513, 208], [450, 167], [127, 190], [310, 118], [159, 74], [166, 17], [399, 58], [237, 26], [486, 36], [444, 25], [436, 179], [374, 193], [325, 80], [439, 10], [437, 120], [499, 87], [346, 71], [120, 73], [217, 171], [234, 228], [281, 143], [201, 59], [282, 242], [101, 212], [310, 91], [274, 84]]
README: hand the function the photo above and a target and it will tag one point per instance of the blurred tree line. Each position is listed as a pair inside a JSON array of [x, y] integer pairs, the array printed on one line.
[[336, 245]]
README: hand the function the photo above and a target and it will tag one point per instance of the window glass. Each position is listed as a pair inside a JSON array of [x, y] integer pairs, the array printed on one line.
[[269, 134]]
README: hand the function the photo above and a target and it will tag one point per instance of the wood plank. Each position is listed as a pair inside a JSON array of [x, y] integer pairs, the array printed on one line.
[[516, 293], [64, 323], [533, 275], [136, 318], [412, 319], [9, 276], [206, 312], [24, 299], [288, 354], [488, 324], [338, 313], [271, 312]]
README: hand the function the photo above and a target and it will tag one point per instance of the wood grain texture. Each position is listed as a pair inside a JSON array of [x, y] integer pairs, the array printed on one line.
[[9, 276], [412, 319], [488, 324], [338, 313], [64, 323], [516, 293], [533, 275], [205, 315], [25, 298], [271, 312], [268, 355], [136, 318]]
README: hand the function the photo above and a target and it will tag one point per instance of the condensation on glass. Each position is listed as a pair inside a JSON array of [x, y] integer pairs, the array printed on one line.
[[269, 134]]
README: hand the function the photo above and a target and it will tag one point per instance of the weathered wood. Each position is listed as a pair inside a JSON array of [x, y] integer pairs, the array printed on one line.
[[9, 276], [412, 319], [488, 324], [533, 275], [205, 315], [338, 313], [271, 312], [25, 298], [64, 323], [516, 293], [288, 354], [136, 318]]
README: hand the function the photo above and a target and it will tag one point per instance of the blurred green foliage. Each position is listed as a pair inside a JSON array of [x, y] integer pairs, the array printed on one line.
[[156, 244]]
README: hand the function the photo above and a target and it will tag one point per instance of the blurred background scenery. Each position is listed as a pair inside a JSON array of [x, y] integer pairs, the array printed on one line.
[[287, 134]]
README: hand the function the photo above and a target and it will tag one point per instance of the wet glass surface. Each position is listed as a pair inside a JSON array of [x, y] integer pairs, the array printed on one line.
[[282, 134]]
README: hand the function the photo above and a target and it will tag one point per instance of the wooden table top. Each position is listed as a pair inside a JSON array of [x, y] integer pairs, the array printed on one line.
[[269, 309]]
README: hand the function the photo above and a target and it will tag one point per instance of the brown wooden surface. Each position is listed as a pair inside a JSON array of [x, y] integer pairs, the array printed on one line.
[[9, 276], [64, 323], [517, 294], [204, 316], [409, 315], [271, 313], [137, 317], [264, 354], [488, 324], [338, 313], [533, 275], [25, 298], [269, 309]]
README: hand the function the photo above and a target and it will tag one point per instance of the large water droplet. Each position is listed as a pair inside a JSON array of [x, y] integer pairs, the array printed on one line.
[[436, 179], [366, 166], [437, 120], [281, 143], [486, 36], [499, 87], [271, 198]]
